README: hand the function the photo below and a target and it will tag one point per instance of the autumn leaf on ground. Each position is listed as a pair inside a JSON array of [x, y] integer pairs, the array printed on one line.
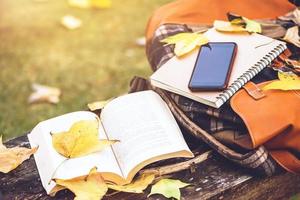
[[141, 41], [168, 188], [91, 187], [287, 81], [97, 105], [90, 3], [71, 22], [185, 42], [11, 158], [44, 94], [100, 3], [79, 3], [80, 140], [137, 186], [292, 36]]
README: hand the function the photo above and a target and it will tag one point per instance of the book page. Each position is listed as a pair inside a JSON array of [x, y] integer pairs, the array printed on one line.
[[51, 164], [145, 127]]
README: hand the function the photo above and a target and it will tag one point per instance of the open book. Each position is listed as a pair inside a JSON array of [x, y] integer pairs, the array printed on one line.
[[141, 121]]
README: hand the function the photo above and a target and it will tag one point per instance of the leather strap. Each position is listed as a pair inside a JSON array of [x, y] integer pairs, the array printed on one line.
[[254, 91]]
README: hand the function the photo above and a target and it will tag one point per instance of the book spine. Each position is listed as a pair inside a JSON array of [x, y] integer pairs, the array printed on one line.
[[249, 74]]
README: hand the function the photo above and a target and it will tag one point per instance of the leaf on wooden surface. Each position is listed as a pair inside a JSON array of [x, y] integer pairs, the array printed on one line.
[[44, 94], [137, 186], [90, 3], [97, 105], [287, 81], [80, 140], [168, 188], [11, 158], [292, 36], [185, 42], [71, 22], [91, 187]]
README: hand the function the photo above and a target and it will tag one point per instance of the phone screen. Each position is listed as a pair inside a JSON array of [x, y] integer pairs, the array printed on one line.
[[213, 66]]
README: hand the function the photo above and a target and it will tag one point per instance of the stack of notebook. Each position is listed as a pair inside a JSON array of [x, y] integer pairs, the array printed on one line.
[[254, 53]]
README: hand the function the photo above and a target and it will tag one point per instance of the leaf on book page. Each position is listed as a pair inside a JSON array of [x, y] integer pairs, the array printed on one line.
[[185, 42], [168, 188], [287, 81], [97, 105], [11, 158], [80, 140], [70, 22], [292, 36], [44, 94], [137, 186], [91, 187]]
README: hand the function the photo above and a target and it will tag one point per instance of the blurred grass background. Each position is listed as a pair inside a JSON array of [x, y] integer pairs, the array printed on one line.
[[94, 62]]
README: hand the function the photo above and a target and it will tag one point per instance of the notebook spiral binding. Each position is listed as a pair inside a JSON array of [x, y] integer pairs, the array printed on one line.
[[249, 74]]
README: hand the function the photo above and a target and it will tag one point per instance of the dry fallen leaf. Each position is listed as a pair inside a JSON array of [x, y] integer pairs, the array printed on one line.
[[287, 81], [141, 41], [11, 158], [44, 94], [91, 187], [225, 26], [90, 3], [292, 36], [80, 140], [100, 3], [185, 42], [71, 22], [168, 188], [294, 63], [137, 186], [238, 24], [97, 105]]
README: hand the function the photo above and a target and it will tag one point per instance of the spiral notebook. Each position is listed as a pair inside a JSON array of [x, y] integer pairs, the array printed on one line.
[[254, 53]]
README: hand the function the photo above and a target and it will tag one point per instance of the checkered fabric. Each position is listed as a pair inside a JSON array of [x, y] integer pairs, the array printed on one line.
[[223, 124]]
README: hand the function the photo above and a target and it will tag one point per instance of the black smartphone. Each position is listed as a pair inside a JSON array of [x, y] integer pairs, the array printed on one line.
[[213, 66]]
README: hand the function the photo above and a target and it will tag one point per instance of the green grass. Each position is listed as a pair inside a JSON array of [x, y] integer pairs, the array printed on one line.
[[94, 62]]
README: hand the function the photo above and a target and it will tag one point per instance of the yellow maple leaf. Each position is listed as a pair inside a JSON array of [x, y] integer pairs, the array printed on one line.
[[224, 26], [287, 81], [137, 186], [11, 158], [91, 187], [100, 3], [237, 25], [168, 188], [185, 42], [80, 140], [90, 3], [80, 3]]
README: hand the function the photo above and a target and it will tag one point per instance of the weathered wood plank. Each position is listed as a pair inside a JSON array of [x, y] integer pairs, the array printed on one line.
[[214, 178]]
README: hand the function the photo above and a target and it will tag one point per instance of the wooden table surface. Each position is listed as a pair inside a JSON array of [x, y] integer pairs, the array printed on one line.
[[215, 178]]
